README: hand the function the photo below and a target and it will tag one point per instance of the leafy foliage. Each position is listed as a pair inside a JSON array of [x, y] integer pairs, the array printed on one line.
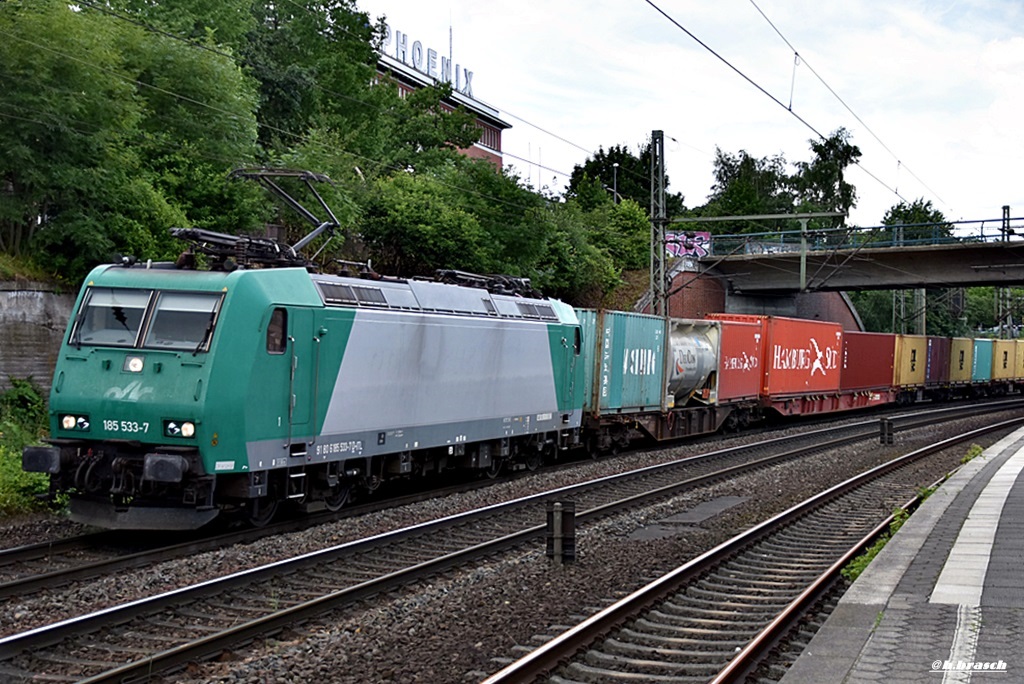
[[123, 119], [820, 184], [745, 185], [23, 419], [858, 565], [618, 171]]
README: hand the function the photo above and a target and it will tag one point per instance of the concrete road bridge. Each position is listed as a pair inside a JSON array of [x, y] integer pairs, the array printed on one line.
[[955, 254]]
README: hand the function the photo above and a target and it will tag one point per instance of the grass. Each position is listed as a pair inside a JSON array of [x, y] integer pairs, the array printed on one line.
[[859, 564], [14, 268]]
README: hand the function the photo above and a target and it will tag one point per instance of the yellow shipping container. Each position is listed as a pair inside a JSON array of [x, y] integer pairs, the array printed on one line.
[[1019, 373], [1004, 357], [961, 359], [911, 360]]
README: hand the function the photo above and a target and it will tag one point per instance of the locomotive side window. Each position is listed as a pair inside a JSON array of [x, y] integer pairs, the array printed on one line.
[[183, 320], [276, 329], [112, 317]]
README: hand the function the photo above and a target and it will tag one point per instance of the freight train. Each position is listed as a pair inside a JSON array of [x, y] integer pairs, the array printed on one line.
[[183, 395]]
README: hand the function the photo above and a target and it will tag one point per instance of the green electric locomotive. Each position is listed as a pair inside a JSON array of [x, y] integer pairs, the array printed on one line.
[[180, 395]]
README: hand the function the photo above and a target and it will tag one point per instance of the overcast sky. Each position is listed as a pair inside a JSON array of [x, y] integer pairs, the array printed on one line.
[[937, 87]]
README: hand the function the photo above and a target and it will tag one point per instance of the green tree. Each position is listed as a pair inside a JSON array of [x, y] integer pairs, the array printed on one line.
[[223, 22], [821, 184], [623, 232], [916, 222], [618, 170], [572, 268], [102, 111], [413, 232], [745, 185]]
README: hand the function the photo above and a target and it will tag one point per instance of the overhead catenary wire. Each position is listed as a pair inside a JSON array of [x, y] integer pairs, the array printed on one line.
[[761, 89], [800, 59]]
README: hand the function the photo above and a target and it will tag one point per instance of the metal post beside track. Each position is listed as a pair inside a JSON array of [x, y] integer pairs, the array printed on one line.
[[561, 531]]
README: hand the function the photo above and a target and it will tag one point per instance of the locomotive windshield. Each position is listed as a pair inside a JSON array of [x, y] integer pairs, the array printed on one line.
[[182, 321], [115, 317], [112, 317]]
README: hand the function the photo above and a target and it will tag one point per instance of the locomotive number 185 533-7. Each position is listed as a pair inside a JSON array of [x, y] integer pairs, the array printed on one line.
[[124, 426]]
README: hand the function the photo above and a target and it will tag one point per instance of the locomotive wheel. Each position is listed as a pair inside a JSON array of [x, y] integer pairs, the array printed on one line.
[[534, 459], [493, 470], [337, 496], [262, 511]]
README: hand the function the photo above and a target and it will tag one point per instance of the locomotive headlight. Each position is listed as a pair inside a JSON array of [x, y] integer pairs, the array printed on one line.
[[133, 364], [179, 428], [72, 422]]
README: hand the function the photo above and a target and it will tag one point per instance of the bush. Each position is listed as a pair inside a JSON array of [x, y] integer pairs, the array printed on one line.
[[23, 407], [859, 564], [23, 420], [18, 489]]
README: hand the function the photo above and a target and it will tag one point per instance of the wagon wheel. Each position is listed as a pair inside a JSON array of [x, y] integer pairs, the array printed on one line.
[[337, 496], [262, 510]]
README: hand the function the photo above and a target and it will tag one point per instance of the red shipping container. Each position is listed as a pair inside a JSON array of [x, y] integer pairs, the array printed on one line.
[[867, 361], [798, 357], [937, 372], [739, 361]]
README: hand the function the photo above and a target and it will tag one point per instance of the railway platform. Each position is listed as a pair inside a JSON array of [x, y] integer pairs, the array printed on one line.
[[944, 600]]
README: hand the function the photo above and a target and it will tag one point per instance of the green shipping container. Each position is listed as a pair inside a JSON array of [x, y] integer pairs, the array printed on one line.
[[982, 370], [625, 361]]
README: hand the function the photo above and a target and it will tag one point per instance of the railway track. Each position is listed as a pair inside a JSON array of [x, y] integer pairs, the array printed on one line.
[[28, 569], [47, 565], [179, 626], [716, 617]]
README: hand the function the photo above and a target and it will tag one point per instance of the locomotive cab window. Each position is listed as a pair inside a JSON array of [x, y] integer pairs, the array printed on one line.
[[111, 317], [276, 329], [183, 320]]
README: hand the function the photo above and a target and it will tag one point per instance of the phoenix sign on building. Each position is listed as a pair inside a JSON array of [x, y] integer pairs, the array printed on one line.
[[413, 65]]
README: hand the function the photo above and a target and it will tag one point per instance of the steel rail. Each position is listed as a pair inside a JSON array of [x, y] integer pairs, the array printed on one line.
[[33, 583], [753, 653], [198, 543], [555, 652]]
